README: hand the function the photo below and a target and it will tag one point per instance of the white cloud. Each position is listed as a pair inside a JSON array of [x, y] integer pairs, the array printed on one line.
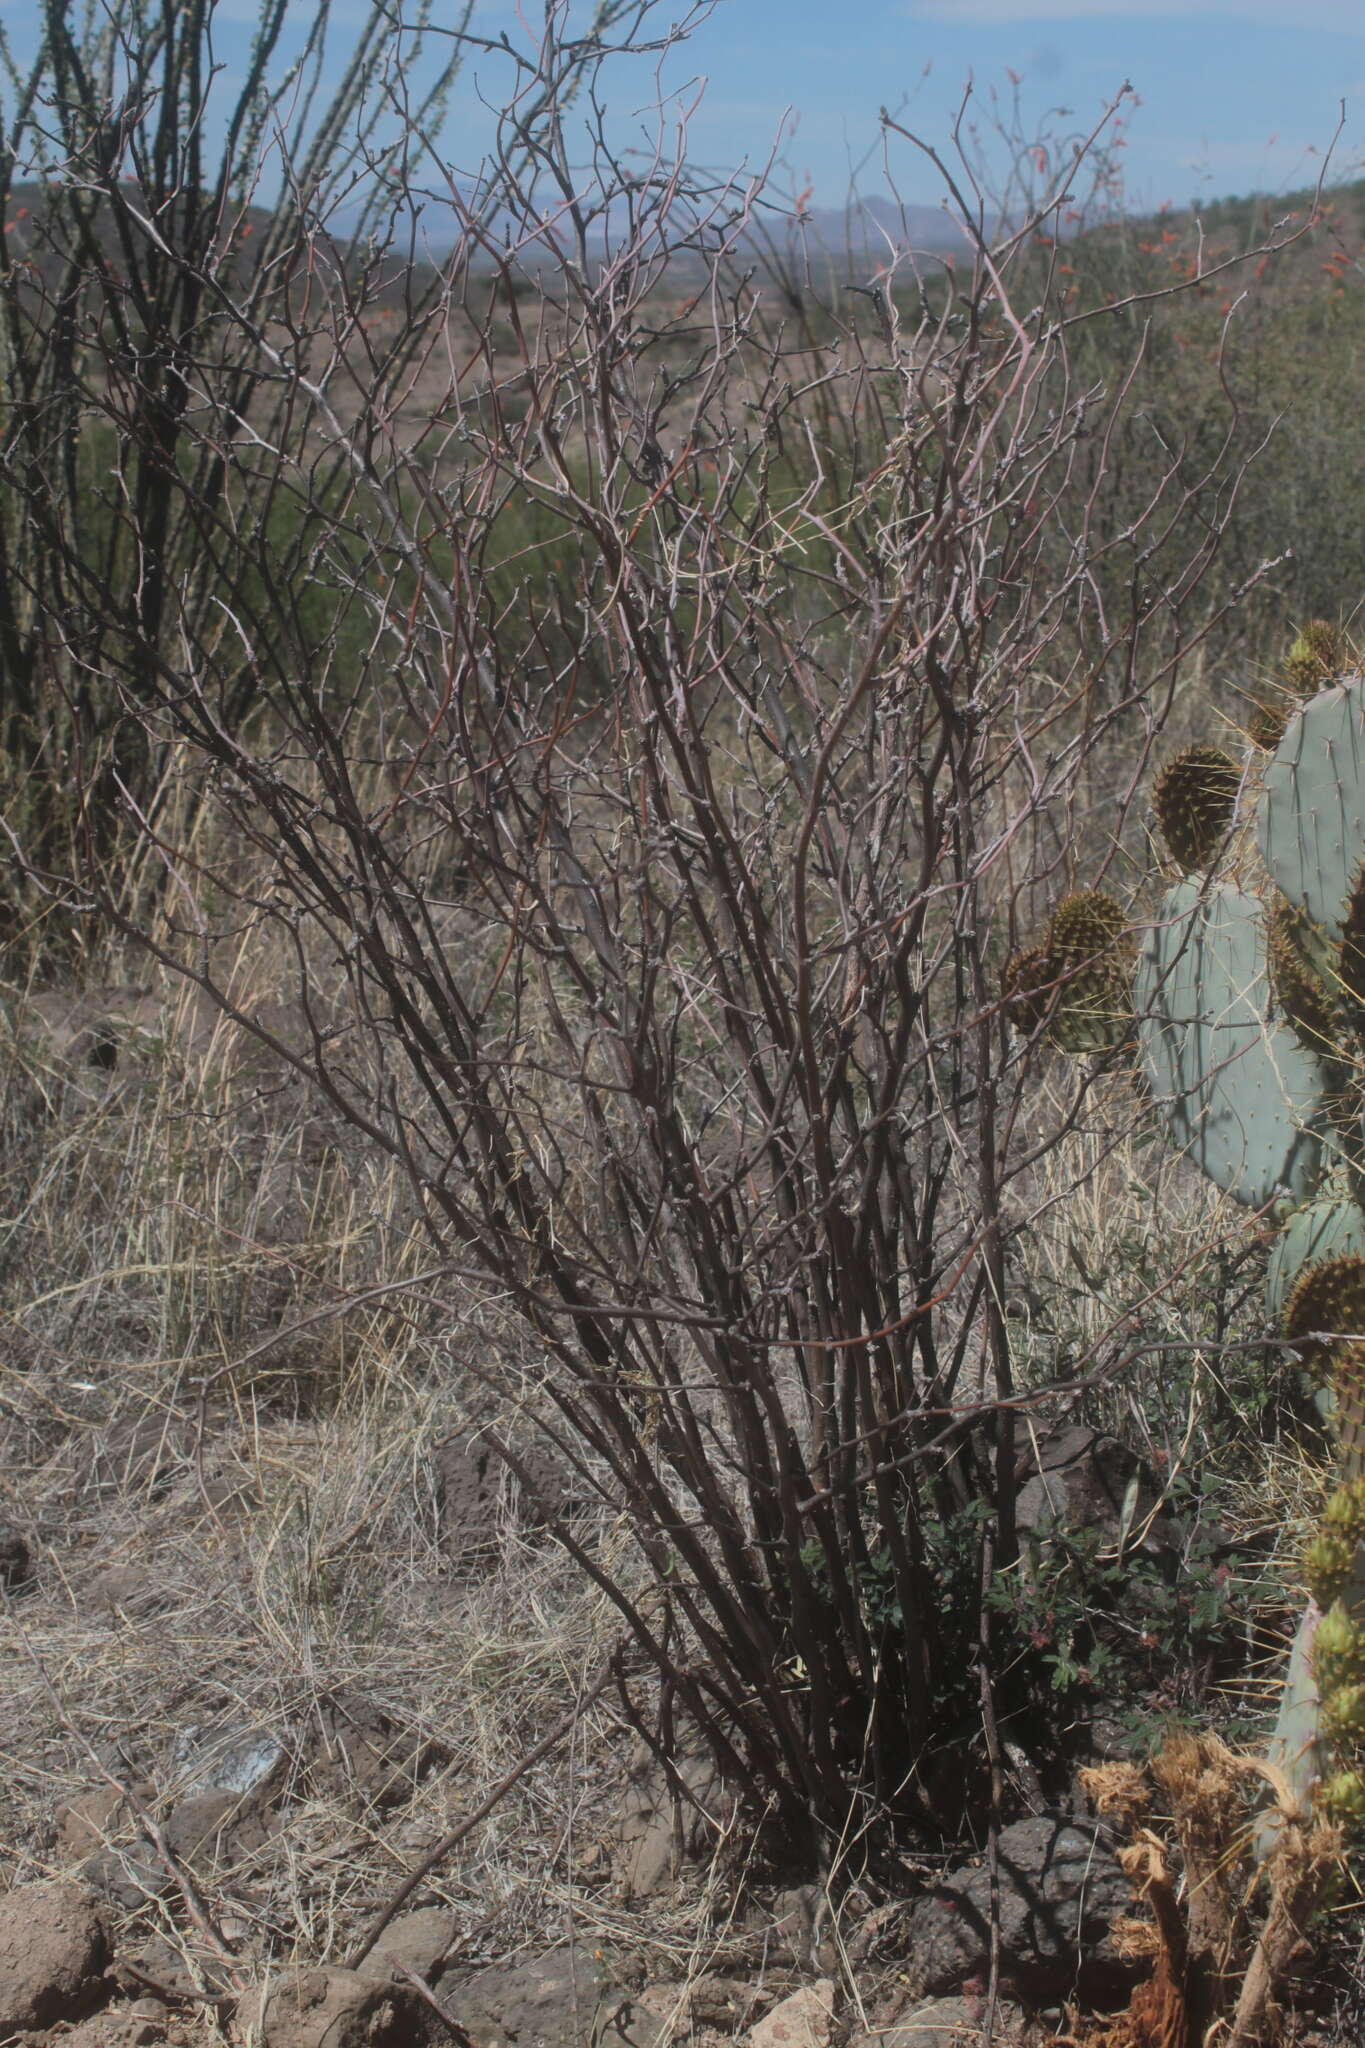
[[1345, 16]]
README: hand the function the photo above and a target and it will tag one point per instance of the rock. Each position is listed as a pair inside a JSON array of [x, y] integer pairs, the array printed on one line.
[[657, 1833], [128, 1877], [663, 2014], [334, 2008], [135, 2026], [476, 1495], [1061, 1889], [87, 1823], [559, 2000], [213, 1827], [946, 2023], [157, 1967], [1083, 1482], [124, 1590], [801, 2021], [237, 1760], [16, 1567], [414, 1941], [791, 1932], [354, 1748], [54, 1949]]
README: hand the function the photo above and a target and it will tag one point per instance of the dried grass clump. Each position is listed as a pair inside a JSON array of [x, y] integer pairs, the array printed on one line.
[[1216, 1970]]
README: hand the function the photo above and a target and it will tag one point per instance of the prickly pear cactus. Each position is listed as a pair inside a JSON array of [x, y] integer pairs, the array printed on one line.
[[1249, 1005], [1241, 1094], [1311, 818], [1195, 800], [1076, 983], [1325, 1229], [1319, 1739]]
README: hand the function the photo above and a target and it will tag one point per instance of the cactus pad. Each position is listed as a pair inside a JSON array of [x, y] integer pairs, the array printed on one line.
[[1329, 1297], [1328, 1560], [1338, 1650], [1085, 925], [1241, 1095], [1078, 980], [1195, 800], [1348, 1388], [1343, 1714], [1311, 822], [1306, 999], [1314, 659], [1026, 984], [1342, 1799], [1324, 1230]]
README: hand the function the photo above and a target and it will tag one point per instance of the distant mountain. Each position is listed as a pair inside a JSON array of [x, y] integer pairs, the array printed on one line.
[[869, 227]]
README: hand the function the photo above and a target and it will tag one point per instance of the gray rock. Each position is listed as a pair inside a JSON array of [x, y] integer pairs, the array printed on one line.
[[1086, 1481], [213, 1827], [559, 2000], [1061, 1889], [233, 1760], [127, 1877], [414, 1941], [658, 1831], [333, 2008], [945, 2023]]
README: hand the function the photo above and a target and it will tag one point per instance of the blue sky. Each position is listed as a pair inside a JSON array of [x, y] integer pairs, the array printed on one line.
[[1234, 95]]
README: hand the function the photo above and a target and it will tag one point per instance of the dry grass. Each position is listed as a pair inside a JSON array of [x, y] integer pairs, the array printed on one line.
[[224, 1383], [225, 1547]]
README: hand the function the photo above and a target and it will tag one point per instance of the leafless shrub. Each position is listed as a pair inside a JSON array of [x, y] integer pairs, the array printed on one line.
[[663, 721]]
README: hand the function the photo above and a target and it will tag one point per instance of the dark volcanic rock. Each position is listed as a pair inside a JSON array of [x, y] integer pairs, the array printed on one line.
[[1061, 1890], [16, 1568]]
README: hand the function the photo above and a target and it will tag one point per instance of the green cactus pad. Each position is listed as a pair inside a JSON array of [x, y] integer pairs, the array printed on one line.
[[1338, 1650], [1240, 1093], [1314, 659], [1324, 1230], [1344, 1514], [1343, 1714], [1331, 1297], [1296, 1746], [1342, 1799], [1328, 1561], [1307, 998], [1311, 821], [1195, 800], [1084, 926]]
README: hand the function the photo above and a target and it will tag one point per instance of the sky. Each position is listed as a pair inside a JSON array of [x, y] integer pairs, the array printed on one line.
[[1235, 95], [1231, 95]]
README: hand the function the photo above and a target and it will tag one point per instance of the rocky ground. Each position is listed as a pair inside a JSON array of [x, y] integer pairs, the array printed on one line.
[[274, 1629]]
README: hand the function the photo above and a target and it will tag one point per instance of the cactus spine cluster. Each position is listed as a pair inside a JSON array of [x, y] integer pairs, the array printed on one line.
[[1249, 1015]]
